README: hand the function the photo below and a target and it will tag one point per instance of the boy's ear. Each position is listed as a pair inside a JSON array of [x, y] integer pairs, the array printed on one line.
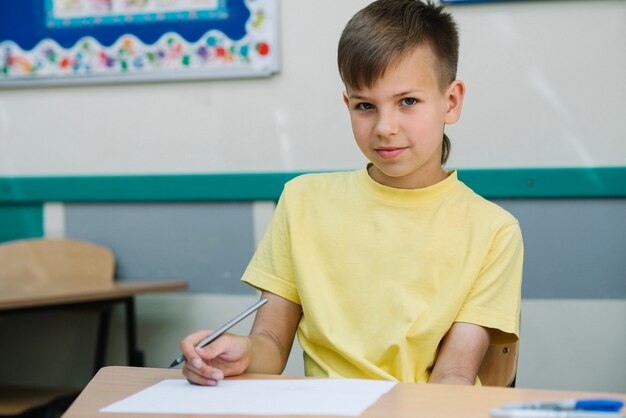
[[454, 97], [346, 100]]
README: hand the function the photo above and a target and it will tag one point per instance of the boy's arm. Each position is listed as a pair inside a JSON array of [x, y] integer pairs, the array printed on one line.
[[265, 350], [272, 334], [461, 354]]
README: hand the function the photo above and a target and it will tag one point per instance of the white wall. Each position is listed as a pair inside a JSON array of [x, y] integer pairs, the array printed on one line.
[[545, 84], [573, 344], [544, 88]]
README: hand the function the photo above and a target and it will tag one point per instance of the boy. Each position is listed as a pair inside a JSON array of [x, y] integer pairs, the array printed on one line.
[[395, 271]]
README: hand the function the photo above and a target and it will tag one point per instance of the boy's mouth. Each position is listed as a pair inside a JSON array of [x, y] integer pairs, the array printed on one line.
[[389, 153]]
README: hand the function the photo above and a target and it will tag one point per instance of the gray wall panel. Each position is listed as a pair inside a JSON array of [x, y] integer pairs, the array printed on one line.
[[207, 244], [574, 248]]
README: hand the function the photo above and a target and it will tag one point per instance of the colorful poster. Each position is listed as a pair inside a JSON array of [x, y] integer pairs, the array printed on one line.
[[93, 41], [65, 13]]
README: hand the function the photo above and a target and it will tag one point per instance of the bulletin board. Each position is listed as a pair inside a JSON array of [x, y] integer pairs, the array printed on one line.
[[90, 41]]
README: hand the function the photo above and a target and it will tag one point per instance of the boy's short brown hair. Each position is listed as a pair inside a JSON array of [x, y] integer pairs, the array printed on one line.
[[386, 31]]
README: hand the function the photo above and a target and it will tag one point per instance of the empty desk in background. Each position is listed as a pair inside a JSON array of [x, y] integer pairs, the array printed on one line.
[[17, 298], [14, 298]]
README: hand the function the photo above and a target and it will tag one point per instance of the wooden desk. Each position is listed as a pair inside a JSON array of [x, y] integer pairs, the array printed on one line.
[[14, 296], [17, 297], [404, 400]]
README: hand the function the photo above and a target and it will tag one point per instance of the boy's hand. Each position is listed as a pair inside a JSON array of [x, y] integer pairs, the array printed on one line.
[[271, 338], [229, 355]]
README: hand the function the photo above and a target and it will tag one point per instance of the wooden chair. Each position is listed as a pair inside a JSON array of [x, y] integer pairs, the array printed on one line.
[[42, 261], [499, 366], [35, 264]]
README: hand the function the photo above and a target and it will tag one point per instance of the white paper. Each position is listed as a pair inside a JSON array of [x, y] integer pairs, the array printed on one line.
[[339, 397]]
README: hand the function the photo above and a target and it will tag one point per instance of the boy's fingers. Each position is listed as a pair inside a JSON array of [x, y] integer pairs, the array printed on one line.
[[190, 341], [208, 365], [222, 345], [199, 377], [225, 355], [201, 372], [188, 344]]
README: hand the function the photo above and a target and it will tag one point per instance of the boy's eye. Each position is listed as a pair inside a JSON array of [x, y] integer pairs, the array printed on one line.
[[365, 106], [409, 101]]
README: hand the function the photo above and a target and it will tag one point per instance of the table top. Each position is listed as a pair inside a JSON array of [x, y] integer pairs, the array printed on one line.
[[18, 297], [405, 400]]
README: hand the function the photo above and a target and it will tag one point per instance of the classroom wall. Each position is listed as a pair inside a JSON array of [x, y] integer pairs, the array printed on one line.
[[543, 91]]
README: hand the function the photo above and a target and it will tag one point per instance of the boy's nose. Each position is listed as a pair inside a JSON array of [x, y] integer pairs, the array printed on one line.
[[386, 125]]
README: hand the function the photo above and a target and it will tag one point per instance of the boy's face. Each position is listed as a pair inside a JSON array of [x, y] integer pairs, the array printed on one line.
[[398, 122]]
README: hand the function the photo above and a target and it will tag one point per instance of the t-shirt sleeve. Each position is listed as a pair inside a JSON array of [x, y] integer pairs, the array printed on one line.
[[271, 267], [495, 298]]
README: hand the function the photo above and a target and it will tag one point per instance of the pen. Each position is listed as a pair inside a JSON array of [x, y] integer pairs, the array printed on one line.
[[215, 334], [604, 405], [542, 413]]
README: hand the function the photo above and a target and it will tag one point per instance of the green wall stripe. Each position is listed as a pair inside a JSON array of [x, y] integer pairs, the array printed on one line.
[[545, 183], [18, 221], [191, 187], [599, 182]]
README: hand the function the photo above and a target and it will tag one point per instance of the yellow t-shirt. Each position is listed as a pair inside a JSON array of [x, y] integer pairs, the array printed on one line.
[[382, 273]]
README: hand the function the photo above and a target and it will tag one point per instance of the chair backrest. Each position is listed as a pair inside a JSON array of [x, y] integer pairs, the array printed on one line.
[[42, 261], [499, 366]]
